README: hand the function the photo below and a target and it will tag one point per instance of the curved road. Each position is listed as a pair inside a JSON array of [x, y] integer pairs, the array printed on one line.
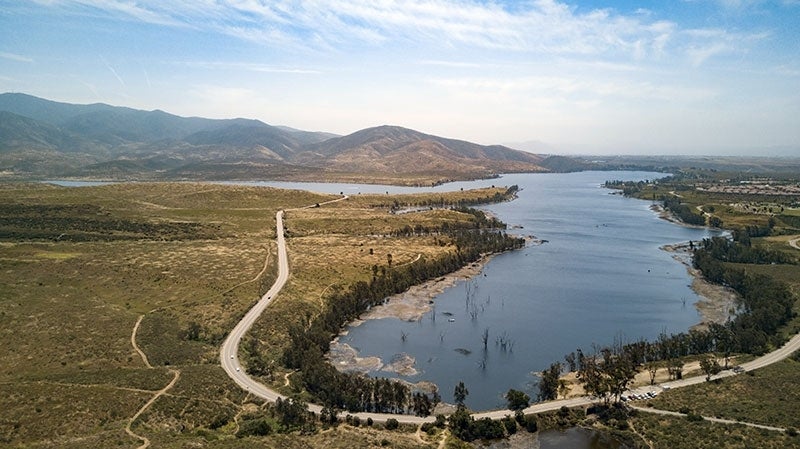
[[229, 356]]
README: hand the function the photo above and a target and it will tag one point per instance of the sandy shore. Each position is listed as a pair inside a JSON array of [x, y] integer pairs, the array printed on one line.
[[415, 302], [717, 303]]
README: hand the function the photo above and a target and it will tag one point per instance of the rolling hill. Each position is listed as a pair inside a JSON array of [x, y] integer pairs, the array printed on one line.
[[102, 141]]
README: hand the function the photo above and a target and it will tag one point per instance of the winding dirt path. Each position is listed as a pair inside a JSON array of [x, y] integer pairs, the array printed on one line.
[[795, 243], [146, 441], [176, 375], [135, 346]]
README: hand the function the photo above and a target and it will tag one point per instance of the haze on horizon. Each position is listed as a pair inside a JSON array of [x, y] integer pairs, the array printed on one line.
[[685, 77]]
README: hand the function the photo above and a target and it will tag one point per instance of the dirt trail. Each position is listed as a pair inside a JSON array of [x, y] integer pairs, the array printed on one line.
[[708, 418], [135, 346], [146, 441], [176, 373], [646, 441]]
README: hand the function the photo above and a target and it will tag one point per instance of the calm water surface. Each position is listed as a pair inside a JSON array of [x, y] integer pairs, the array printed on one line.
[[600, 276]]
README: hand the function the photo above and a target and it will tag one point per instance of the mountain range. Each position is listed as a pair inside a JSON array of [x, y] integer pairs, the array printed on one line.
[[43, 139]]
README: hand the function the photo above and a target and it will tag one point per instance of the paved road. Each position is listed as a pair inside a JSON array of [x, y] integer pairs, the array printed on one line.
[[229, 356], [229, 353]]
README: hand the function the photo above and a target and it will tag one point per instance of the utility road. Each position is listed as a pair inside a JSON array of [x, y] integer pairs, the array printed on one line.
[[229, 356]]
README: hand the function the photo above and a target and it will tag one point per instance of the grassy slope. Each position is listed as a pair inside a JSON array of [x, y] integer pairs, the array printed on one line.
[[667, 432]]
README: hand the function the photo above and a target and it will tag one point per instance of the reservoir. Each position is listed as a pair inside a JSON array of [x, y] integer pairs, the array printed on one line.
[[600, 275]]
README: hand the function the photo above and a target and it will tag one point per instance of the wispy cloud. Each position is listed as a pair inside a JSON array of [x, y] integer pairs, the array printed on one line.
[[573, 88], [15, 57], [251, 67], [453, 64], [541, 26], [706, 43], [113, 72]]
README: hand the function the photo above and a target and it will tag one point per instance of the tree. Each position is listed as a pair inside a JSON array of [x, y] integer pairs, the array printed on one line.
[[563, 388], [571, 361], [607, 375], [460, 394], [725, 340], [461, 425], [652, 369], [710, 366], [517, 400], [675, 368], [488, 429], [548, 384]]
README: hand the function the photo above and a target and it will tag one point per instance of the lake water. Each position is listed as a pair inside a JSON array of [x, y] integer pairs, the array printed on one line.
[[601, 276]]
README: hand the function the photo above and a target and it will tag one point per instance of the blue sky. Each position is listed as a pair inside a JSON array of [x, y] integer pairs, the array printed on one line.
[[668, 76]]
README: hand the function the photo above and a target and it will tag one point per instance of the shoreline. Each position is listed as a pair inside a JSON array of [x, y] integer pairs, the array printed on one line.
[[716, 303], [410, 305]]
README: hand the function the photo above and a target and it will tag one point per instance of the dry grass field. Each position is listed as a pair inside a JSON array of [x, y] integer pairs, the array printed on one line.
[[79, 266]]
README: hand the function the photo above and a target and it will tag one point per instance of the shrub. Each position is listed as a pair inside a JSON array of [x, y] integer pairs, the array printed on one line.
[[693, 417], [488, 429], [531, 423], [392, 424], [510, 424], [441, 421], [256, 427]]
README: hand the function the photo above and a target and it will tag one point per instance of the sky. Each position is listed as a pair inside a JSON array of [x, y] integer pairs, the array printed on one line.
[[690, 77]]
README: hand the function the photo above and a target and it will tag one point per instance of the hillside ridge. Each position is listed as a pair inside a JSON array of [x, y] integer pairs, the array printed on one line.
[[104, 141]]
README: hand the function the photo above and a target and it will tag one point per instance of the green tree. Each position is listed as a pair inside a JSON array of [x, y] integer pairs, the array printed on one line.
[[517, 400], [548, 384], [460, 394], [710, 366]]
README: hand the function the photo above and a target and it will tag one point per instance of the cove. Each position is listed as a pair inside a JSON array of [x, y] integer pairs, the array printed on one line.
[[600, 276]]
